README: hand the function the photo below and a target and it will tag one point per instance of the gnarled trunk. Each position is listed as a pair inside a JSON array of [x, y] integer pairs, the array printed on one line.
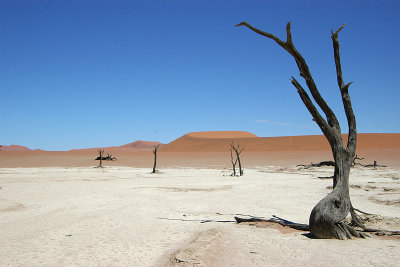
[[327, 216]]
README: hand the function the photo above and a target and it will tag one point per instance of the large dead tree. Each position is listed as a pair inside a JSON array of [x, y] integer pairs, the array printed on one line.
[[155, 158], [237, 152], [327, 217]]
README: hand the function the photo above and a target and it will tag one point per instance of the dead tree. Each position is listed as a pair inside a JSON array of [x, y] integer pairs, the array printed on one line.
[[101, 151], [109, 157], [238, 151], [155, 158], [327, 217], [233, 163], [354, 163]]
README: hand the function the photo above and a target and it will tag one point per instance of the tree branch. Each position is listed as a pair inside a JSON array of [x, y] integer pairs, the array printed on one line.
[[323, 125], [304, 72], [344, 91], [266, 34]]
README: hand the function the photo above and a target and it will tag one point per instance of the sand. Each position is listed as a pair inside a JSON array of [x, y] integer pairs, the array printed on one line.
[[85, 216], [56, 209], [211, 149]]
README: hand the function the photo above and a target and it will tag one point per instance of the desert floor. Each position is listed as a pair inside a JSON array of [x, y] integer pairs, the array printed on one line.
[[185, 216]]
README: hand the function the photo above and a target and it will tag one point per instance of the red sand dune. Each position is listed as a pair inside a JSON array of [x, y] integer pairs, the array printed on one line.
[[211, 149], [141, 145], [216, 141], [134, 146], [14, 148], [221, 134]]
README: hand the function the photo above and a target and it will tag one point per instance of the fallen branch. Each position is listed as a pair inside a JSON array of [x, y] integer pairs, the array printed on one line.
[[322, 163], [275, 219], [373, 165], [305, 227], [109, 157]]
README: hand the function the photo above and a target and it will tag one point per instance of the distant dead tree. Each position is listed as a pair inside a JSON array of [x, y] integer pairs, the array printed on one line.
[[233, 163], [327, 219], [155, 158], [321, 164], [354, 163], [101, 157], [237, 152]]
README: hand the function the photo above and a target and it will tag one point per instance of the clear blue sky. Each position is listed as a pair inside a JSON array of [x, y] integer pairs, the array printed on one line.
[[77, 74]]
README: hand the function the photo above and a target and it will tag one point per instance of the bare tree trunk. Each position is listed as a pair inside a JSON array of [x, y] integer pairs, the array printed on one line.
[[233, 164], [237, 151], [240, 167], [155, 158], [101, 158], [326, 219]]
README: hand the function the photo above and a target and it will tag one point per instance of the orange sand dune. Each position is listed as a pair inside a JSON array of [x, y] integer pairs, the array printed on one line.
[[14, 148], [134, 146], [221, 134], [213, 142], [211, 149], [141, 145]]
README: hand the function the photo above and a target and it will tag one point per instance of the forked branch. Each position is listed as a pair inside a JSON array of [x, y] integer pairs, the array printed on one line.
[[344, 91], [304, 72], [237, 151]]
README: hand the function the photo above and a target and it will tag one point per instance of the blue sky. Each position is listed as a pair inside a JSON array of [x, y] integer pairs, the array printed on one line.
[[77, 74]]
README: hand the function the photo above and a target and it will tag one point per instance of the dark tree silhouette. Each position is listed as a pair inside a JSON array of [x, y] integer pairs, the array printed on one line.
[[354, 163], [237, 152], [100, 157], [327, 217], [233, 163], [155, 158]]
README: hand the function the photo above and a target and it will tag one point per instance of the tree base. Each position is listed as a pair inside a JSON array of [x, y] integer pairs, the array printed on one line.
[[344, 231]]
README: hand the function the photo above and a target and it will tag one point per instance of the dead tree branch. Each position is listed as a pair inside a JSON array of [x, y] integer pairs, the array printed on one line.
[[238, 151], [233, 163]]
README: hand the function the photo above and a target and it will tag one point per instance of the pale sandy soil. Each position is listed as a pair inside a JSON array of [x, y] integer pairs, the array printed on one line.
[[117, 216]]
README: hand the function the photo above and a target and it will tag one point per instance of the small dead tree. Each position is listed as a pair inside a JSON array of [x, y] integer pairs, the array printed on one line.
[[237, 151], [155, 158], [233, 163], [327, 217], [100, 157], [110, 157], [354, 163]]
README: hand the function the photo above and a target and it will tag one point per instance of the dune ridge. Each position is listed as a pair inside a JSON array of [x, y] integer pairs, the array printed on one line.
[[221, 134], [14, 148], [133, 146], [212, 150], [209, 143]]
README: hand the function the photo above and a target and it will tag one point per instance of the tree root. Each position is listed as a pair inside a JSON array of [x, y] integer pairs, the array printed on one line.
[[356, 220], [343, 230], [363, 212], [276, 219]]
